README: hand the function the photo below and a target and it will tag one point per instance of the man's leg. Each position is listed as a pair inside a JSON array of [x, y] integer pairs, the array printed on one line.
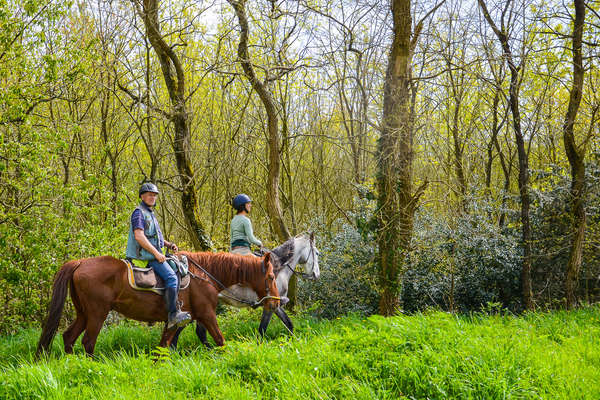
[[176, 317]]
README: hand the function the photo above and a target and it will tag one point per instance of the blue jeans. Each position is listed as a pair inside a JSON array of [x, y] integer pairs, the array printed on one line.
[[165, 271]]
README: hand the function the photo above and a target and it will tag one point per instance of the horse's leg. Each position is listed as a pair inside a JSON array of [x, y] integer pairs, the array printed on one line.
[[164, 337], [285, 319], [201, 333], [175, 338], [73, 332], [210, 322], [167, 337], [92, 329], [264, 321]]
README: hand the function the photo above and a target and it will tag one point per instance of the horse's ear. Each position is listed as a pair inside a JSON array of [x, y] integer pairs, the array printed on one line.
[[312, 236], [265, 262]]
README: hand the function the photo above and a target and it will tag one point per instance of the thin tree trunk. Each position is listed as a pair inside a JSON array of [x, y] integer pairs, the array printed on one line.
[[458, 155], [523, 180], [175, 82], [576, 160], [490, 148], [273, 205]]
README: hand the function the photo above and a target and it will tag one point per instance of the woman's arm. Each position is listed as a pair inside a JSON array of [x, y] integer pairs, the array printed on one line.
[[250, 233]]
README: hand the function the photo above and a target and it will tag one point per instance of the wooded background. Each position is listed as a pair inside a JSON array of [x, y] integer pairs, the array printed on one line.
[[445, 153]]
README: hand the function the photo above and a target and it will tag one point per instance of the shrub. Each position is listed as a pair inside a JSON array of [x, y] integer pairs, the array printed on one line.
[[347, 282]]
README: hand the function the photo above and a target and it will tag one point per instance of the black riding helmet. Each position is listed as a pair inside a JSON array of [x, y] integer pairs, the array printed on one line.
[[240, 200], [148, 187]]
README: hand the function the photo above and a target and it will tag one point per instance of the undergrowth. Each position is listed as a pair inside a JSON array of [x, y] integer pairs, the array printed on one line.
[[432, 355]]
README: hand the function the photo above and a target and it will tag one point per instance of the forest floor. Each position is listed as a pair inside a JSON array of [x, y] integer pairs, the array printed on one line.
[[434, 355]]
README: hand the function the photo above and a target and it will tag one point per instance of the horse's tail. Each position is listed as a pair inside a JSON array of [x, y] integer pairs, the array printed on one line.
[[59, 293]]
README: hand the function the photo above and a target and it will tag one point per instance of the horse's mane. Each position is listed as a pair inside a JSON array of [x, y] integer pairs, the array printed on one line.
[[283, 253], [228, 268]]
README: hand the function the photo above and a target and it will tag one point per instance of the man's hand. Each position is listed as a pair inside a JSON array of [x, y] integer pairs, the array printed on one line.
[[160, 257], [173, 247]]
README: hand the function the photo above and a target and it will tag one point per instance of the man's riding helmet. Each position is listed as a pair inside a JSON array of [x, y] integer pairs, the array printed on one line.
[[148, 187], [240, 200]]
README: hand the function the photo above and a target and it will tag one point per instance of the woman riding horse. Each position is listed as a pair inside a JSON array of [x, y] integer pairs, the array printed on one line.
[[241, 226]]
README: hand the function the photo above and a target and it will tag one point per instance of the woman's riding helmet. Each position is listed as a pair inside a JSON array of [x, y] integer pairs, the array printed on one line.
[[240, 200]]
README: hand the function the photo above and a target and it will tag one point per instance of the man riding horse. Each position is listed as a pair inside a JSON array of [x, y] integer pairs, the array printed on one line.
[[145, 242]]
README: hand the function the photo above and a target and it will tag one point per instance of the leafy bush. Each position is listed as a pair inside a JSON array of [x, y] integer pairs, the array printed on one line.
[[551, 222], [44, 223], [461, 267], [347, 282]]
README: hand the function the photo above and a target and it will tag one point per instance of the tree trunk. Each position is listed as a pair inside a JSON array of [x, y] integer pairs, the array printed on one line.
[[490, 148], [525, 201], [175, 82], [287, 165], [576, 160], [273, 205], [523, 180], [396, 202], [458, 154]]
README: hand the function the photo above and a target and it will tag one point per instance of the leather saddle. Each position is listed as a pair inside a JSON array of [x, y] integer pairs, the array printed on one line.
[[146, 279]]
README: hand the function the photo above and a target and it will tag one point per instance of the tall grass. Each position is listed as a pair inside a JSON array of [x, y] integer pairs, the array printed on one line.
[[433, 355]]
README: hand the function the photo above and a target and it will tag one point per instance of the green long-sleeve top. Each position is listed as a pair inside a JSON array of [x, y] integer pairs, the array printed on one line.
[[241, 230]]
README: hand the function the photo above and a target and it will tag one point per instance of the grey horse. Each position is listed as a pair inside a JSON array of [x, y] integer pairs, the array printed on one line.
[[298, 250]]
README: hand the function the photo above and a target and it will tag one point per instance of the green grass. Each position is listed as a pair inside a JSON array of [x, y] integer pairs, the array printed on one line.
[[434, 355]]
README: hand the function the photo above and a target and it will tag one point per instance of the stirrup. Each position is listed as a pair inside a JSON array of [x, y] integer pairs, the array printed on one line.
[[179, 320]]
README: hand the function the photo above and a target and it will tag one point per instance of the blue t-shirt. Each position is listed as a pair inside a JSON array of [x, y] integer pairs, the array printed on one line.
[[137, 222]]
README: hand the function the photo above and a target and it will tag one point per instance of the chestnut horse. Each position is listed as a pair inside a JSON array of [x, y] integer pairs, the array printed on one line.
[[100, 284]]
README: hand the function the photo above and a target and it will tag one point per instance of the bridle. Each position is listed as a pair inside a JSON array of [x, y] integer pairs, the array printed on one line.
[[223, 287], [304, 274]]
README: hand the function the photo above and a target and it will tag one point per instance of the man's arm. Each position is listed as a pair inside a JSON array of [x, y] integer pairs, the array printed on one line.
[[145, 243], [171, 246]]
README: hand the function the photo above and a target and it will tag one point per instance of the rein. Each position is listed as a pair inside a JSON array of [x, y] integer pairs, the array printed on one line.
[[302, 274], [223, 287]]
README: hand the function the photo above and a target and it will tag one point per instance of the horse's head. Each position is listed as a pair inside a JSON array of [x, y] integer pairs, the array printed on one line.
[[266, 288], [309, 255]]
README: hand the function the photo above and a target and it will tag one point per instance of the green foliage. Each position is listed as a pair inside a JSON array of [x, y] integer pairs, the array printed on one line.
[[348, 276], [433, 355], [74, 145], [481, 260], [44, 224], [551, 220]]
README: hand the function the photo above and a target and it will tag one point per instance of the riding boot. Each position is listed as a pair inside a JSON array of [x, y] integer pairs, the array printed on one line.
[[176, 316]]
